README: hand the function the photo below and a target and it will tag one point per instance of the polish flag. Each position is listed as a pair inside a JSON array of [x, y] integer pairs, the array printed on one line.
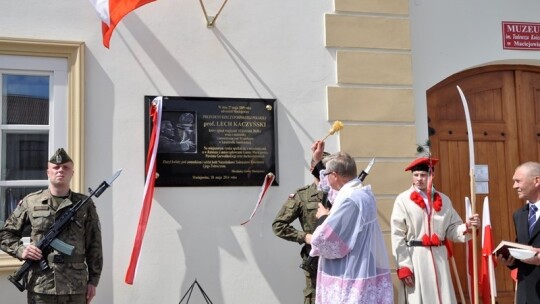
[[469, 254], [486, 283], [112, 11]]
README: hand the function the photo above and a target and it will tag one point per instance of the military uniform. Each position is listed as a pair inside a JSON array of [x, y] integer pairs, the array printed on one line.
[[301, 205], [66, 276]]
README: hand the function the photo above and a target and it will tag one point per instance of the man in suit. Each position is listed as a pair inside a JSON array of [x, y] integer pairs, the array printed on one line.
[[527, 184]]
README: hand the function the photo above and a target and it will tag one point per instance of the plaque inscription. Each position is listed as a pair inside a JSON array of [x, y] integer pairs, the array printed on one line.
[[207, 141]]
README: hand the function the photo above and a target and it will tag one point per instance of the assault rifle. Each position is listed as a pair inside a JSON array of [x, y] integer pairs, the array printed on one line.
[[50, 240], [310, 263]]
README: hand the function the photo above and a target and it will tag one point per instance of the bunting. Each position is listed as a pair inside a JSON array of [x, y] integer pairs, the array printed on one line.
[[155, 114], [268, 180], [487, 284], [112, 11]]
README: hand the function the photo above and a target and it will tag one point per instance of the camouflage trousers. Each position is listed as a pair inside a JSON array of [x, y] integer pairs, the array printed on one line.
[[309, 291], [39, 298]]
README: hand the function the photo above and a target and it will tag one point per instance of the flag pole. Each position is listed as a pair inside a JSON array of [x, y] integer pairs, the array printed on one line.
[[450, 252], [474, 236], [473, 192], [491, 276], [461, 294], [487, 245]]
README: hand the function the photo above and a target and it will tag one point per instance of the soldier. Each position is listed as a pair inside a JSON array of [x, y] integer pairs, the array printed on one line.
[[301, 205], [68, 279]]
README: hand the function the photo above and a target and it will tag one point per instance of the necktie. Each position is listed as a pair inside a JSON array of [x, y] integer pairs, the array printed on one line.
[[532, 217]]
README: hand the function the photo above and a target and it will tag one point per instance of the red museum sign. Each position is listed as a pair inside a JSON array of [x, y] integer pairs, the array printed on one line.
[[521, 35]]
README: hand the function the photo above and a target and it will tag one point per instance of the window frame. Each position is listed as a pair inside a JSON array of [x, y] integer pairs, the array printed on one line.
[[73, 53]]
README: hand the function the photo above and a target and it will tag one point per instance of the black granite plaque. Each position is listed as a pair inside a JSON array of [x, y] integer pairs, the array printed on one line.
[[207, 141]]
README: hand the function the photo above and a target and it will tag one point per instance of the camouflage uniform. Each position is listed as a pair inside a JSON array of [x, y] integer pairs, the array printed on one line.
[[66, 275], [303, 206]]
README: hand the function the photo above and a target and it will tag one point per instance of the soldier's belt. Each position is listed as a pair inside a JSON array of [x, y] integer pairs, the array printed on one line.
[[61, 259], [420, 244]]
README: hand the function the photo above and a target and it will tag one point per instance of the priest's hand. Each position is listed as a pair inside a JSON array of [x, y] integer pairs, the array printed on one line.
[[307, 238]]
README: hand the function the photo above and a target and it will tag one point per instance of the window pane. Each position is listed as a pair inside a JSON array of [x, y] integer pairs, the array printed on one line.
[[25, 157], [39, 105], [10, 197], [25, 99]]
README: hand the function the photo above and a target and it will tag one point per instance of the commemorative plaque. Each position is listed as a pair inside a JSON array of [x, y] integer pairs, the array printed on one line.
[[208, 141]]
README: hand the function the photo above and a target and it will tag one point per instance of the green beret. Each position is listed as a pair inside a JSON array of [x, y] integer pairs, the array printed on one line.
[[60, 157]]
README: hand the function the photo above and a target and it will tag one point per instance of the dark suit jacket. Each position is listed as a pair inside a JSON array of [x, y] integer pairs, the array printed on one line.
[[528, 290]]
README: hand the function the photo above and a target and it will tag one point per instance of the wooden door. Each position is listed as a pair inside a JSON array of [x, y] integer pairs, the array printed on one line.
[[504, 106]]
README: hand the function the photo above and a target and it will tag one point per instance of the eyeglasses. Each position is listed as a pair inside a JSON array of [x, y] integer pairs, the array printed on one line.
[[328, 173]]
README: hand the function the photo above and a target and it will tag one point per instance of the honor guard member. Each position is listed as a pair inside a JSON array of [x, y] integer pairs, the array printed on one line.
[[420, 228], [301, 205], [68, 278]]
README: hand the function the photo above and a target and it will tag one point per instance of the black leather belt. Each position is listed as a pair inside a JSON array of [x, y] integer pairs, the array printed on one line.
[[420, 244], [61, 258]]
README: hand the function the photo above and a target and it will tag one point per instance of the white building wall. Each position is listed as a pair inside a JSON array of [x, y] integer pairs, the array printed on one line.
[[451, 36], [258, 49], [266, 49]]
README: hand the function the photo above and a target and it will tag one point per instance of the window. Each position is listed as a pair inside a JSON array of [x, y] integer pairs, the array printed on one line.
[[41, 110], [24, 130]]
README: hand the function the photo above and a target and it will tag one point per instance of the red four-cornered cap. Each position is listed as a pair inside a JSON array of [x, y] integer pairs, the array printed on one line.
[[422, 164]]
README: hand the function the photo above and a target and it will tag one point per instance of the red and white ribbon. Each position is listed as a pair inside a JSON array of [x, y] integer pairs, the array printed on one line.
[[268, 180], [155, 114]]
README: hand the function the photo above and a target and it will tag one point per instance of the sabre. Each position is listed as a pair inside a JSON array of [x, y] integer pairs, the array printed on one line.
[[473, 194]]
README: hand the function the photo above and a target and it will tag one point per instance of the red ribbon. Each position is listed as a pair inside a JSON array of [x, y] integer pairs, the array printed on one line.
[[268, 180], [155, 114]]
